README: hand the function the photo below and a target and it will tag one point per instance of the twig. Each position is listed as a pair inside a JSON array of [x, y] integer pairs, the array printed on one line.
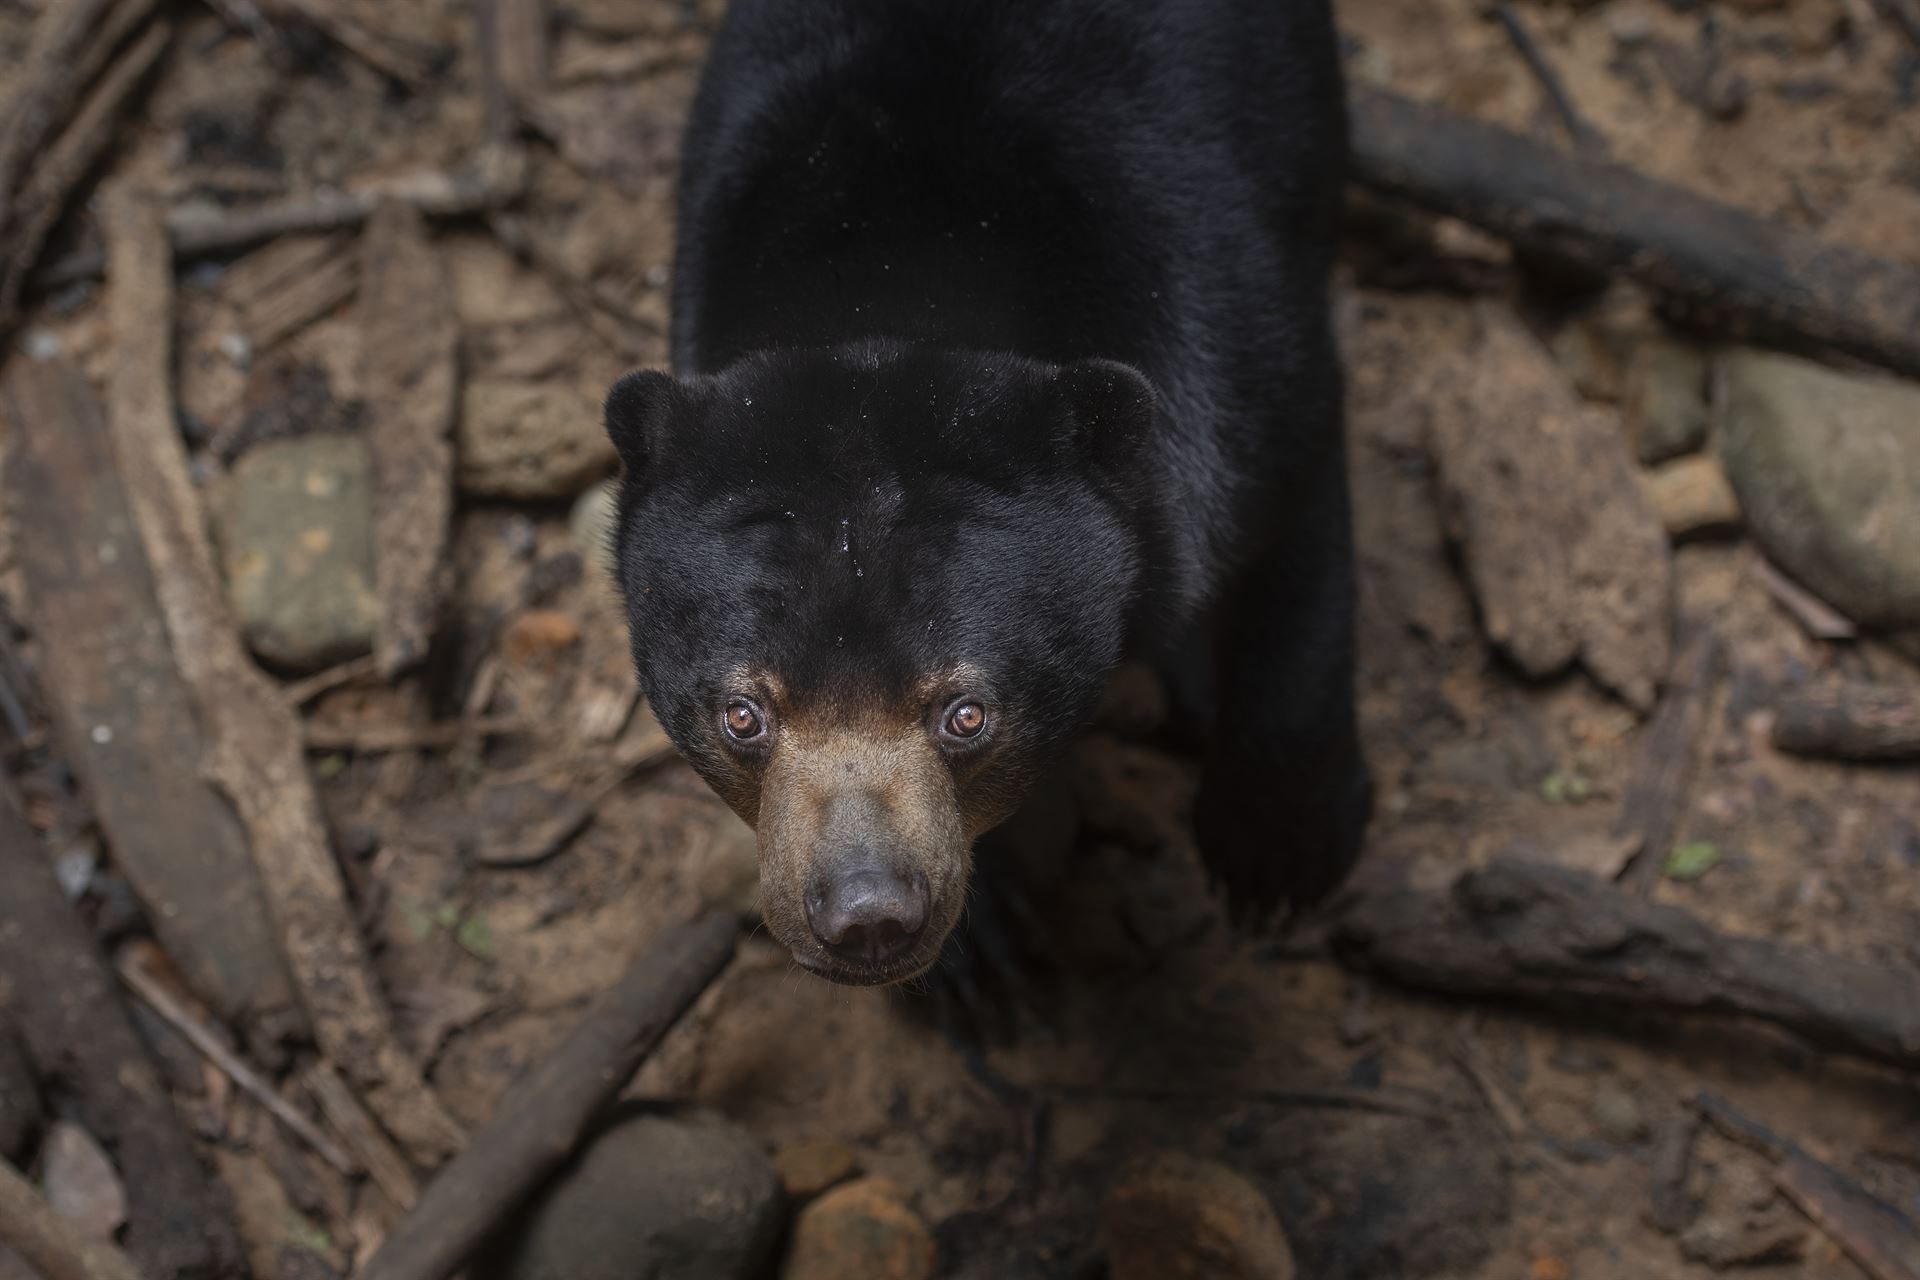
[[379, 738], [49, 1243], [1505, 1108], [1815, 616], [387, 1167], [197, 231], [352, 671], [253, 736], [1656, 793], [1714, 264], [627, 334], [542, 1117], [1519, 930], [1585, 138], [1850, 722], [409, 352], [162, 1002], [73, 155]]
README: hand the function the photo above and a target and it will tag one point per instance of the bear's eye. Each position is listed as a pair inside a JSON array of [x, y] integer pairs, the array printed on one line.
[[966, 720], [744, 721]]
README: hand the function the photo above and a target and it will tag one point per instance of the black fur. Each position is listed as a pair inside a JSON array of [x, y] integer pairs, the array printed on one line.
[[1001, 336]]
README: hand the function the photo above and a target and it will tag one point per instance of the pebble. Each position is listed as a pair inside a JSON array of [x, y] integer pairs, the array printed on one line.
[[1617, 1114], [1171, 1216], [1693, 497], [864, 1230], [296, 546], [80, 1182], [811, 1165], [1827, 468], [1664, 405], [655, 1196]]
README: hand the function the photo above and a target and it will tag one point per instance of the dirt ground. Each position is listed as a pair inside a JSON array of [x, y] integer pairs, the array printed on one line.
[[1397, 1135]]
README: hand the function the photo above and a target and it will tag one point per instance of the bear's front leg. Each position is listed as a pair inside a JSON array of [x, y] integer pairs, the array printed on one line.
[[1285, 794]]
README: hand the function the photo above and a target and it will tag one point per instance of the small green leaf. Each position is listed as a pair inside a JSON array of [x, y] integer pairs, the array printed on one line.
[[419, 923], [447, 916], [302, 1232], [327, 768], [1692, 860], [1565, 788], [476, 935]]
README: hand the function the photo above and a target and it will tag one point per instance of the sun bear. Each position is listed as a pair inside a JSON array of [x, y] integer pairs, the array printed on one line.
[[1001, 353]]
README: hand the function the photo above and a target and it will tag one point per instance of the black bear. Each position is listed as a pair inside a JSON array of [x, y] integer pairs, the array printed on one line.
[[1002, 352]]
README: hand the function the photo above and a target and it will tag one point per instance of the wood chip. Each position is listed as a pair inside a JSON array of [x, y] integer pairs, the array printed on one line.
[[1563, 552]]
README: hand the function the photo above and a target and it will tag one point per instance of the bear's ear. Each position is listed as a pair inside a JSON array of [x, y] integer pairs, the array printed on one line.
[[1109, 409], [638, 409]]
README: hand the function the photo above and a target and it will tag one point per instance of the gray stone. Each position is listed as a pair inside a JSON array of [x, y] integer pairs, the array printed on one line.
[[1665, 402], [1170, 1214], [530, 441], [1827, 468], [655, 1196], [1617, 1114], [296, 544]]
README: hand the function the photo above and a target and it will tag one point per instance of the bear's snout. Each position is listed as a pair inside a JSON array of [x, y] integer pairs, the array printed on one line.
[[867, 915]]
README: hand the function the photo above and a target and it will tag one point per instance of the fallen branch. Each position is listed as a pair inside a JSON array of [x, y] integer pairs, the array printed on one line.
[[1874, 1234], [48, 1242], [1662, 777], [1850, 722], [162, 1002], [66, 165], [538, 1123], [199, 231], [62, 997], [1524, 931], [409, 349], [1709, 261], [118, 703], [253, 751]]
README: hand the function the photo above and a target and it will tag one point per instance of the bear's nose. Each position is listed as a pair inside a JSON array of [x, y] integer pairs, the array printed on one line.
[[867, 916]]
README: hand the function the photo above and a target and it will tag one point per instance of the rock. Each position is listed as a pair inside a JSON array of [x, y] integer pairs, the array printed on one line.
[[1564, 555], [1827, 468], [19, 1096], [530, 441], [866, 1229], [80, 1182], [1693, 498], [1664, 407], [592, 525], [654, 1196], [1170, 1216], [1617, 1114], [812, 1165], [296, 545]]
